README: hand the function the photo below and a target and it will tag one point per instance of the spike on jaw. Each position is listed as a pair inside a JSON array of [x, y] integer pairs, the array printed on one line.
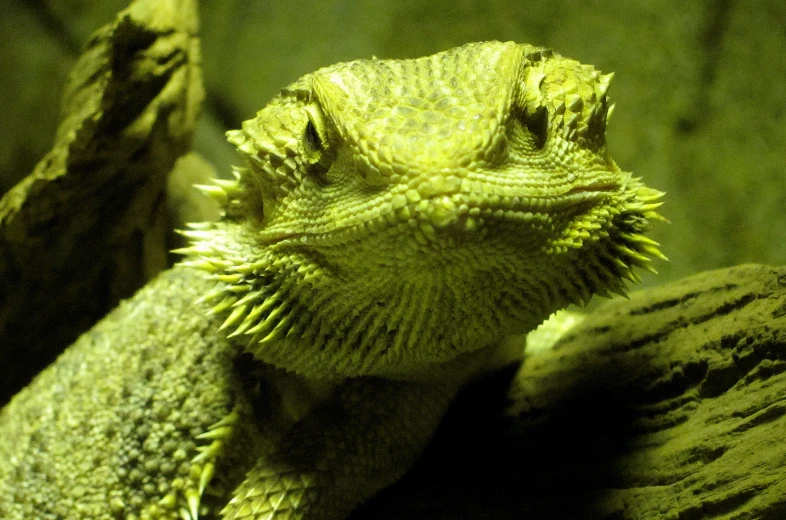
[[224, 304], [278, 330], [215, 192], [250, 320], [238, 313], [197, 226], [193, 499], [207, 475], [251, 297], [230, 279]]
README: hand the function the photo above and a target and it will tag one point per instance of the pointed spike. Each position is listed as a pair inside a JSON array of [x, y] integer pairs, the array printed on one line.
[[257, 329], [610, 111], [237, 314], [569, 119], [214, 192], [186, 251], [228, 420], [277, 330], [207, 475], [654, 251], [202, 264], [239, 288], [199, 225], [620, 291], [230, 278], [258, 310], [246, 148], [227, 184], [207, 452], [651, 207], [641, 239], [650, 195], [251, 297], [196, 234], [220, 432], [620, 263], [632, 276], [650, 268], [243, 327], [199, 248], [250, 321], [211, 295], [243, 268], [657, 216], [632, 254], [223, 305], [192, 498]]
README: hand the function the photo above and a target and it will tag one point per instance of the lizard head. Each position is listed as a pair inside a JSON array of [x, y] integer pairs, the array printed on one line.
[[395, 213]]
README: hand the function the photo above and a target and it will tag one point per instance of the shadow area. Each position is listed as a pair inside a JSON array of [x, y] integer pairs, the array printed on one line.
[[553, 463]]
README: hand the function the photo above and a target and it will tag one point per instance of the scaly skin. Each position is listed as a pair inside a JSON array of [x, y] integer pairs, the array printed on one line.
[[395, 221]]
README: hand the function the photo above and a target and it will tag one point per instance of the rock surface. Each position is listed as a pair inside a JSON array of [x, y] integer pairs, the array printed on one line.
[[671, 405]]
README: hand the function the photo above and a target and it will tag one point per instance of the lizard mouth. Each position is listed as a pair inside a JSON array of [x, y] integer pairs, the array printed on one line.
[[457, 212]]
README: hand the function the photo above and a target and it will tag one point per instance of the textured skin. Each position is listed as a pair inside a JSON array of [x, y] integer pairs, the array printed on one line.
[[395, 221]]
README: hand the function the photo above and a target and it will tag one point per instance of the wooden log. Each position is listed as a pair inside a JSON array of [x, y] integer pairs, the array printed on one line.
[[670, 405]]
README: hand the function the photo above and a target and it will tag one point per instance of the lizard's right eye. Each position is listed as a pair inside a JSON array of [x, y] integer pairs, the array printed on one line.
[[316, 146], [315, 133]]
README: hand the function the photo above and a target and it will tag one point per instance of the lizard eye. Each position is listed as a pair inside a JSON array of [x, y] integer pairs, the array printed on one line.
[[314, 134], [537, 123], [316, 148], [311, 139]]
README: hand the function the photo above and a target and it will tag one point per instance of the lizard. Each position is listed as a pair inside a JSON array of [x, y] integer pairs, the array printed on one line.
[[393, 222]]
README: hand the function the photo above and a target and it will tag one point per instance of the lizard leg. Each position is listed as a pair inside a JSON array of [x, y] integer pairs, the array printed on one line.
[[346, 449]]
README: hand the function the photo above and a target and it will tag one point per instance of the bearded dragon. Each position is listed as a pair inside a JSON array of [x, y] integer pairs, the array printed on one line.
[[394, 222]]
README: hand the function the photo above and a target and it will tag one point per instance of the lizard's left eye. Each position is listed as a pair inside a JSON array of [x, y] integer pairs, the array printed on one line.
[[538, 125], [311, 138]]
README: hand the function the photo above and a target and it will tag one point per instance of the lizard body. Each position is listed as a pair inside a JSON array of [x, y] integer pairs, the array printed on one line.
[[394, 222]]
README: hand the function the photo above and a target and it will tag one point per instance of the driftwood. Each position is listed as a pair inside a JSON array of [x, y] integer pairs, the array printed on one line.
[[87, 227], [671, 405]]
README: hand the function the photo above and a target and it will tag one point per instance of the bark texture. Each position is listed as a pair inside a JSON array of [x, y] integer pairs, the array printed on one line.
[[87, 227], [670, 405]]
